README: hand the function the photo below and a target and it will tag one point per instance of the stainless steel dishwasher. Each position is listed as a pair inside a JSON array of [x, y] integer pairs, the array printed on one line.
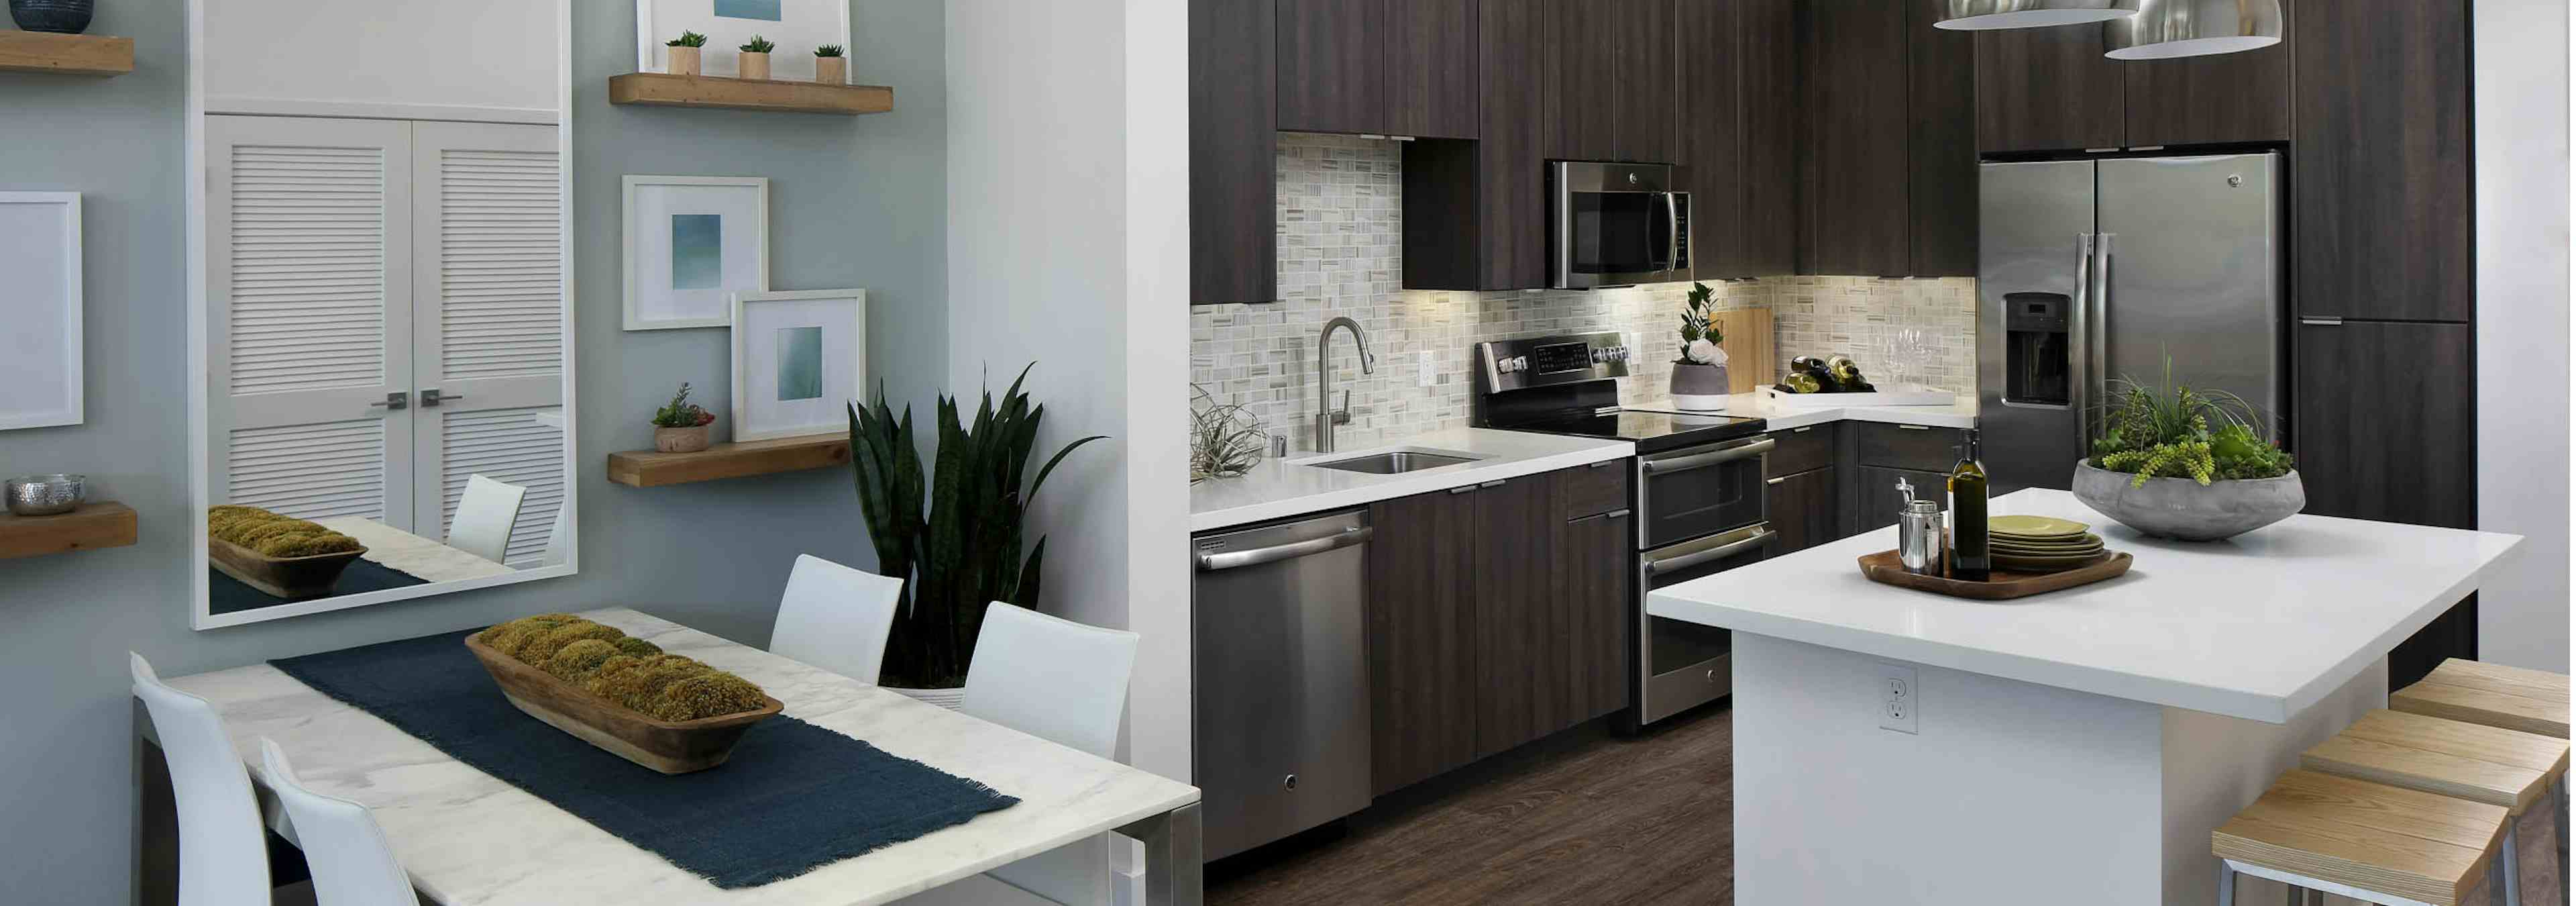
[[1279, 664]]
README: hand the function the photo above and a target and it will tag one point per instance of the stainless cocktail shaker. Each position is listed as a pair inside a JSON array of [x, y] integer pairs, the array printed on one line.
[[1918, 532]]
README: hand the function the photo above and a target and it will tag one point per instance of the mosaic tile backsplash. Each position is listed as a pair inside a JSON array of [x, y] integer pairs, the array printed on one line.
[[1340, 246]]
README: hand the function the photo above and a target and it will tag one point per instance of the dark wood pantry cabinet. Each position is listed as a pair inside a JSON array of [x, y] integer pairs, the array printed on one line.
[[2382, 209], [2383, 423]]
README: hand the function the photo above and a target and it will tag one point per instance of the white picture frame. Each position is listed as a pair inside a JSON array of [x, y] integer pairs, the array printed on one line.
[[766, 402], [40, 354], [801, 26], [658, 295]]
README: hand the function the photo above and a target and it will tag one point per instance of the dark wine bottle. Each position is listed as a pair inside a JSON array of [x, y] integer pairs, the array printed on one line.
[[1971, 556]]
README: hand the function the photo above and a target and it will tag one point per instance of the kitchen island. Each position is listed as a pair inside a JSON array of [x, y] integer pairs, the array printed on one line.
[[2078, 745]]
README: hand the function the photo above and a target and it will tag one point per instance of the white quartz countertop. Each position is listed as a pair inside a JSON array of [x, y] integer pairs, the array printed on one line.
[[2259, 626], [1294, 486], [1960, 413]]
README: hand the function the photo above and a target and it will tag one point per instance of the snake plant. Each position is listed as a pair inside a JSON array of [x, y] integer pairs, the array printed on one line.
[[959, 535]]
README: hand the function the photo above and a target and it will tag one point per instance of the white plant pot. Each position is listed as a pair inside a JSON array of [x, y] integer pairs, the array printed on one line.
[[945, 698]]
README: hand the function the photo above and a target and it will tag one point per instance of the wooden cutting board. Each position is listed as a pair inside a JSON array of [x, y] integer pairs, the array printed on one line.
[[1750, 361]]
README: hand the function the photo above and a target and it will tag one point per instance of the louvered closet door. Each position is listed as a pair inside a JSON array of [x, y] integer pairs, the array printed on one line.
[[308, 243], [488, 321]]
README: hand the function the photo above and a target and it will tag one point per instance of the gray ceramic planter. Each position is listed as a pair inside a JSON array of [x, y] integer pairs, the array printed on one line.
[[2181, 508], [1699, 388]]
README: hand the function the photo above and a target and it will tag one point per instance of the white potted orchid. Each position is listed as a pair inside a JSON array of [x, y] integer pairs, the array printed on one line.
[[1699, 376]]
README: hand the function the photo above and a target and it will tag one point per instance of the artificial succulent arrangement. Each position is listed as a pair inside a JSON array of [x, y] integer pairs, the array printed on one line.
[[628, 671], [680, 413], [2174, 431], [758, 44], [272, 535], [828, 50], [1701, 334], [688, 39]]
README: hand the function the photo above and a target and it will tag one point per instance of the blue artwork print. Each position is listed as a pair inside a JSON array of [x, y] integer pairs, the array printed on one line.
[[764, 10], [800, 363], [697, 251]]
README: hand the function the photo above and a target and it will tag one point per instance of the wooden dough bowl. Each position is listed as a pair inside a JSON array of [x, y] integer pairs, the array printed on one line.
[[671, 748], [291, 578]]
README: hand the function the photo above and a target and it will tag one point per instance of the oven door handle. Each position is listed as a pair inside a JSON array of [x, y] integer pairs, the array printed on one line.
[[1652, 467], [1675, 564]]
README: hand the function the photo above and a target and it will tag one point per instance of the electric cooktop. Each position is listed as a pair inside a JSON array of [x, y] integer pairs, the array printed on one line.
[[1652, 432]]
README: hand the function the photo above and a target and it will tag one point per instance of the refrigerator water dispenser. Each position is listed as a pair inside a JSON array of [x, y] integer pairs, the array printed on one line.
[[2037, 360]]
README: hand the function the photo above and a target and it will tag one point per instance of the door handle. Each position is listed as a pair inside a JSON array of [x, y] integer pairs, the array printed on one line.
[[1258, 556], [1659, 567], [2322, 322], [2079, 346], [1672, 231], [1686, 463], [429, 399], [394, 400]]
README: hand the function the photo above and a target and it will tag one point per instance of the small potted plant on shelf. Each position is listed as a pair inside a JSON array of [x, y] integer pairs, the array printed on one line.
[[2194, 465], [755, 59], [830, 67], [681, 426], [1699, 375], [683, 53]]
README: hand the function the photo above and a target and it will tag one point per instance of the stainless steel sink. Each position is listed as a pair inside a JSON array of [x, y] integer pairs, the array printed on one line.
[[1395, 462]]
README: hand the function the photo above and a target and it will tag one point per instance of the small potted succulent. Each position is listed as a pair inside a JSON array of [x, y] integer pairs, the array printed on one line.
[[683, 53], [69, 17], [754, 63], [2194, 465], [830, 67], [681, 426], [1699, 375]]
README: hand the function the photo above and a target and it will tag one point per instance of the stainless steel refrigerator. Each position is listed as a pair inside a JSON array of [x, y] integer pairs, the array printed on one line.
[[2092, 271]]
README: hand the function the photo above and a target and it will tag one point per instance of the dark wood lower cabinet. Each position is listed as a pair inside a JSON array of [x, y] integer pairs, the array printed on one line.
[[1876, 499], [1595, 581], [1516, 624], [2383, 422], [1805, 509], [1422, 667]]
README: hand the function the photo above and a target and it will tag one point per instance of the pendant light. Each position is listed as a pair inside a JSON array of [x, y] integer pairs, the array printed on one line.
[[1987, 15], [2165, 29]]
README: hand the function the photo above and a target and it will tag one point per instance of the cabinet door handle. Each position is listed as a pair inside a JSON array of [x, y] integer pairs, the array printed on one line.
[[1606, 463], [1617, 514], [1802, 430], [2321, 322], [1495, 483], [1914, 427], [1775, 480], [1470, 489]]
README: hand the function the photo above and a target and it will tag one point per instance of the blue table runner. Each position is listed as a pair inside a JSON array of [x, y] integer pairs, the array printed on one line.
[[793, 797]]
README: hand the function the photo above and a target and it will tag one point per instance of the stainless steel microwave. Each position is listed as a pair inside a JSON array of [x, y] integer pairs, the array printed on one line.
[[1616, 225]]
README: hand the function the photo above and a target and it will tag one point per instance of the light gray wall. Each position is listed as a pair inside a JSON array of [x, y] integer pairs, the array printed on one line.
[[856, 202]]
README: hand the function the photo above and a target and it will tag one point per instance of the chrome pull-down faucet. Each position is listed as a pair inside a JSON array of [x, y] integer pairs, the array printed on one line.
[[1328, 416]]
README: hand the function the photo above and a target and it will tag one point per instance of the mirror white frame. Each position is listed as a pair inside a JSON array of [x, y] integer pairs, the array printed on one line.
[[194, 141]]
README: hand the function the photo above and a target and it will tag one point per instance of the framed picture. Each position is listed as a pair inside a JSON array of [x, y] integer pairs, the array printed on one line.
[[40, 353], [691, 243], [796, 26], [799, 358]]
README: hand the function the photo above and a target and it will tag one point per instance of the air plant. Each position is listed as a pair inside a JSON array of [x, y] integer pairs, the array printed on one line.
[[758, 44], [828, 50], [688, 39], [1225, 440]]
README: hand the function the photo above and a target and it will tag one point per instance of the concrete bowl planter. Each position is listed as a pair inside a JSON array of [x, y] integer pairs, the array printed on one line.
[[2183, 509]]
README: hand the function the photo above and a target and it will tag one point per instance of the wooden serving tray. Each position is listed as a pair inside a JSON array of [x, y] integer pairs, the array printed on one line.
[[291, 578], [671, 748], [1884, 568]]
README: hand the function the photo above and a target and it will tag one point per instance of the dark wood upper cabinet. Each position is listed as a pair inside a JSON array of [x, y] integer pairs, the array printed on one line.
[[1234, 220], [1711, 140], [2225, 98], [2381, 216], [1422, 636], [1475, 213], [1332, 65], [1643, 101], [1581, 75], [1941, 158], [1432, 68], [1769, 61], [2382, 423], [2048, 89], [1856, 157]]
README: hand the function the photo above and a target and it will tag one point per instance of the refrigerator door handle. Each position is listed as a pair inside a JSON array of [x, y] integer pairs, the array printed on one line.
[[2079, 346], [2099, 369]]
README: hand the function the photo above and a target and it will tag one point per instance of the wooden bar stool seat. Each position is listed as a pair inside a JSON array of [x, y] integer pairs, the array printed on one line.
[[2500, 767], [2367, 841], [2532, 701]]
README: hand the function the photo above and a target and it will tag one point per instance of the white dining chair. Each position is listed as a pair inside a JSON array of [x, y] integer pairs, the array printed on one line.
[[559, 538], [223, 844], [484, 517], [836, 618], [352, 863]]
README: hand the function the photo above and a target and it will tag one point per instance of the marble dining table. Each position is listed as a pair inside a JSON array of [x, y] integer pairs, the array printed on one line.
[[469, 839], [397, 549]]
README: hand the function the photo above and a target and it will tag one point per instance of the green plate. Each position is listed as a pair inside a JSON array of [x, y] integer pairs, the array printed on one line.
[[2035, 527], [2087, 542], [2045, 564], [2045, 555]]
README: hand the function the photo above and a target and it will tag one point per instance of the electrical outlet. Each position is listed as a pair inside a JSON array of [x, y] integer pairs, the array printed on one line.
[[1429, 373], [1900, 707]]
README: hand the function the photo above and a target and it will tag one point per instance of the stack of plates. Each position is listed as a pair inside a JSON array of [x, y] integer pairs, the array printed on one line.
[[2040, 544]]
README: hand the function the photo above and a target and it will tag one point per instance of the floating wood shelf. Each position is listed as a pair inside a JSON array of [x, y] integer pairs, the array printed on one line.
[[661, 90], [88, 55], [648, 469], [93, 526]]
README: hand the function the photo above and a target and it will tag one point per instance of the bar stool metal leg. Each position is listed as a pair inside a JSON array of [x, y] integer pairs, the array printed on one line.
[[2558, 803], [2226, 884], [2511, 865]]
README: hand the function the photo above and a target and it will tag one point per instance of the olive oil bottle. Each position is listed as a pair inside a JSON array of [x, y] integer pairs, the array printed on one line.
[[1971, 556]]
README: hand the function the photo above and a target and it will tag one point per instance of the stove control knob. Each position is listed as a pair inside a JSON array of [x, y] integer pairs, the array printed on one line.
[[1520, 363]]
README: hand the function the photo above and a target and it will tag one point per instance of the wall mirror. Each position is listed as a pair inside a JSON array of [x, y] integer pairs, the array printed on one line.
[[380, 315]]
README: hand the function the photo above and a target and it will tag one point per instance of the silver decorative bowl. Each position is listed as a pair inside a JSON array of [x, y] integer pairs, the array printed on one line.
[[46, 495]]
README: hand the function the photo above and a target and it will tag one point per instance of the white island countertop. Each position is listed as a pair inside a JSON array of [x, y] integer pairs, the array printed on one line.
[[1294, 486], [2259, 627]]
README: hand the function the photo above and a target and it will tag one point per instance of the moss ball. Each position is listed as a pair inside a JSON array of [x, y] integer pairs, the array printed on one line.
[[251, 536], [308, 545], [552, 619], [706, 695], [638, 687], [505, 637], [609, 669], [579, 659], [635, 647], [539, 648]]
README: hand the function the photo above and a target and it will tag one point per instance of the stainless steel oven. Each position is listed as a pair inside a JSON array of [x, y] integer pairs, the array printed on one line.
[[1617, 224], [1699, 491], [1682, 665]]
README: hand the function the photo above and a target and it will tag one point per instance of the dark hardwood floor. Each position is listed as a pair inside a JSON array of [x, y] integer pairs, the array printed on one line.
[[1578, 817]]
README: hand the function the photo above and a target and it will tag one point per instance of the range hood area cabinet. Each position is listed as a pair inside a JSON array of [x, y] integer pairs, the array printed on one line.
[[2051, 89]]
